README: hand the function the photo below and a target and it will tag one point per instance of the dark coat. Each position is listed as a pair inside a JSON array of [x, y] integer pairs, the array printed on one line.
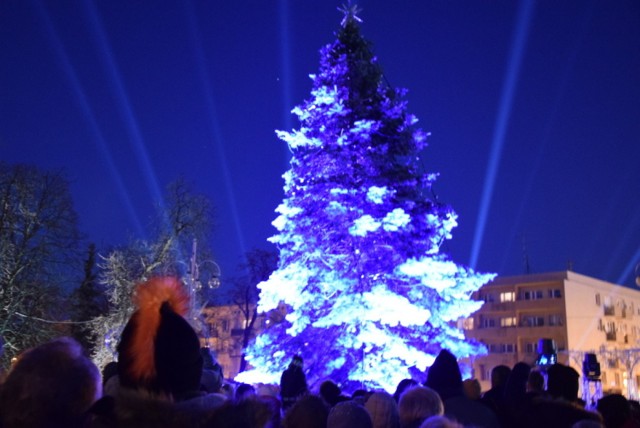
[[293, 384]]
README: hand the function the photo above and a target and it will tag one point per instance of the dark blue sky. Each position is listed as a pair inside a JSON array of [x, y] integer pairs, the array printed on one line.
[[545, 95]]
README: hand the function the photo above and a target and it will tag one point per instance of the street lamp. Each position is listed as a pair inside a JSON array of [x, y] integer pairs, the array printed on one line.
[[195, 277], [204, 275]]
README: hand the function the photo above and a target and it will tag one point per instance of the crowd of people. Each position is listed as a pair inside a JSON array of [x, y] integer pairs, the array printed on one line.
[[163, 378]]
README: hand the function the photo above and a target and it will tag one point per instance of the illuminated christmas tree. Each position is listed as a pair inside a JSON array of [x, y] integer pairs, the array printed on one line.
[[368, 294]]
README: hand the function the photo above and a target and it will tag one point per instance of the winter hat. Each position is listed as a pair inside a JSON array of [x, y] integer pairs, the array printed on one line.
[[159, 350], [444, 376], [348, 414]]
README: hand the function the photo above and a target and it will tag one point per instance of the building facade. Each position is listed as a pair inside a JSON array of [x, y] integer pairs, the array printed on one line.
[[225, 329], [579, 313]]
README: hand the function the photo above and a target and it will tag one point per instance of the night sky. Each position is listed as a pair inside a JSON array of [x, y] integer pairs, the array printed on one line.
[[533, 109]]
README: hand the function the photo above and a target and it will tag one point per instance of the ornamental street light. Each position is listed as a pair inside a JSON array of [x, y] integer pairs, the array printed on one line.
[[202, 276]]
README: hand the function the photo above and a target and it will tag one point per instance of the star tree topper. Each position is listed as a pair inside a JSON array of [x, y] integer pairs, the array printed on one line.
[[350, 12]]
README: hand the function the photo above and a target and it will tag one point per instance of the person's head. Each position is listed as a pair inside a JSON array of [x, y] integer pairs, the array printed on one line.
[[516, 385], [383, 410], [419, 403], [208, 362], [440, 422], [615, 410], [472, 389], [444, 375], [241, 414], [296, 362], [51, 385], [159, 351], [499, 376], [348, 414], [563, 382], [403, 385], [535, 382], [310, 411], [245, 391], [330, 392], [108, 371]]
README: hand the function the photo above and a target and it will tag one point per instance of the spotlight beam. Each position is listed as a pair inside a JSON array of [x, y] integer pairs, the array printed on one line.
[[122, 98], [504, 111], [214, 124], [85, 108]]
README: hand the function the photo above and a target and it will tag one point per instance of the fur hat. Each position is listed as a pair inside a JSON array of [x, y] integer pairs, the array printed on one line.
[[159, 351]]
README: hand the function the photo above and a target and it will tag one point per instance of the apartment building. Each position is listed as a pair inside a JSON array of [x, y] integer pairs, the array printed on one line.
[[579, 313]]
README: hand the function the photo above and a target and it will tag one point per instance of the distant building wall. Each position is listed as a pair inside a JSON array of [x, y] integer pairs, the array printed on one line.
[[581, 314]]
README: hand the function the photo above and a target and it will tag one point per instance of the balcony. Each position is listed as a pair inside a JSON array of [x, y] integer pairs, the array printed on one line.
[[609, 310], [611, 336]]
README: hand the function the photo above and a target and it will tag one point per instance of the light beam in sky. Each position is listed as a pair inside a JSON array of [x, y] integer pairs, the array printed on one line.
[[629, 269], [214, 124], [94, 128], [546, 136], [285, 63], [125, 110], [504, 110]]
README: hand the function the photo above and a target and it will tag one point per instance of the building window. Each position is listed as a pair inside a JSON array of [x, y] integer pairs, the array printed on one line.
[[597, 299], [488, 322], [466, 323], [532, 295], [532, 321], [508, 322], [488, 297], [530, 348], [508, 296], [556, 319], [483, 372], [608, 307], [510, 348], [555, 293]]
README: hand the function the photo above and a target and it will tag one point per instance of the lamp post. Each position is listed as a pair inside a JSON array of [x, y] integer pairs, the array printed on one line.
[[198, 278]]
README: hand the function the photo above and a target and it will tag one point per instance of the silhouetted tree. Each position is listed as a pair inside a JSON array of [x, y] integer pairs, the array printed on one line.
[[244, 291], [184, 216], [88, 302], [38, 246]]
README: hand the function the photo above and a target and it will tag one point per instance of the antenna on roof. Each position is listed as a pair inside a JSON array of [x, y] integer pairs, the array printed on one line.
[[525, 255]]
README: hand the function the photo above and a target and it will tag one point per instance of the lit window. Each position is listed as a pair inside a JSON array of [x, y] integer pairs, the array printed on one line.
[[508, 322], [508, 296]]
